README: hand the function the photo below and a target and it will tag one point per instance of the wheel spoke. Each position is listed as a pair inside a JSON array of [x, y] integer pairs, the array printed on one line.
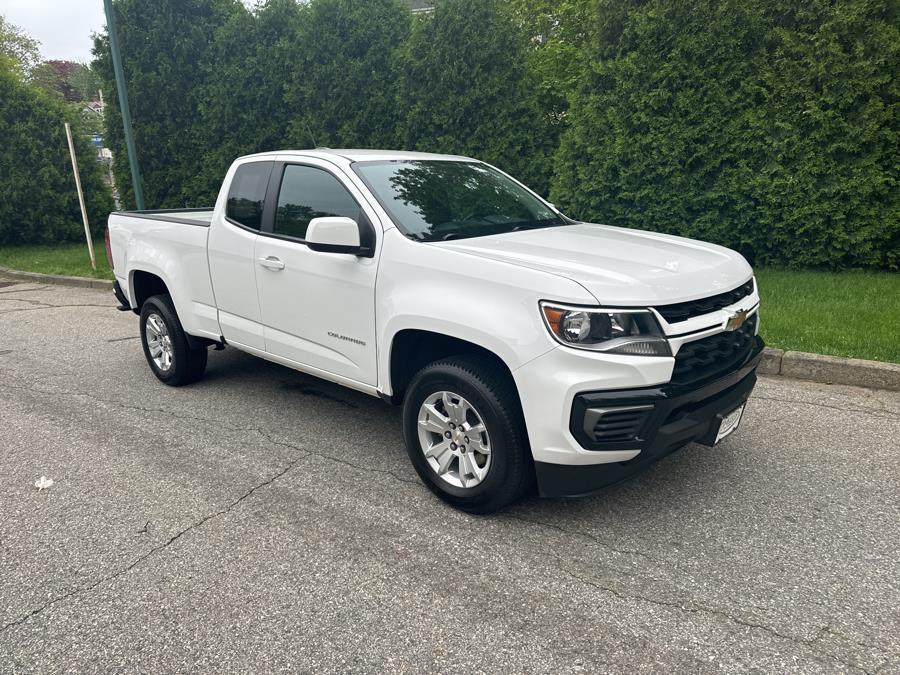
[[444, 462], [438, 449], [478, 471], [462, 411], [449, 406], [434, 421], [155, 326], [475, 436], [465, 467]]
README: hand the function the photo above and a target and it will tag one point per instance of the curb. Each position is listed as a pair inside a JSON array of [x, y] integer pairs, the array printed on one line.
[[37, 278], [830, 369], [775, 362]]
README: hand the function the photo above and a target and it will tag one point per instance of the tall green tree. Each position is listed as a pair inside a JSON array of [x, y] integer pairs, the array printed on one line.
[[242, 108], [164, 45], [556, 32], [69, 79], [19, 48], [39, 201], [768, 127], [465, 88], [342, 87]]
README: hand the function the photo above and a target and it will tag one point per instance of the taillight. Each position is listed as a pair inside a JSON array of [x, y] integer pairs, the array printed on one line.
[[108, 249]]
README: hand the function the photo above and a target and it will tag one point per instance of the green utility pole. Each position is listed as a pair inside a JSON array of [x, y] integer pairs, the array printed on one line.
[[123, 104]]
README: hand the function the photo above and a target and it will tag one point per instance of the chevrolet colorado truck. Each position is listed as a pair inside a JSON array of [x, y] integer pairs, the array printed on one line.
[[524, 347]]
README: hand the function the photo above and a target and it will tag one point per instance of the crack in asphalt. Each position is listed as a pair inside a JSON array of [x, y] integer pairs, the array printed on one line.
[[701, 609], [221, 424], [156, 549], [582, 535], [128, 406], [43, 306], [339, 460], [25, 290], [883, 413]]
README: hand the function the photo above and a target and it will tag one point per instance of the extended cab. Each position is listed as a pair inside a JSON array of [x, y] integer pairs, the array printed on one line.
[[522, 345]]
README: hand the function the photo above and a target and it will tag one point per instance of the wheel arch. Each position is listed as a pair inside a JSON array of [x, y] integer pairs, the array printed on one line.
[[144, 284], [413, 348]]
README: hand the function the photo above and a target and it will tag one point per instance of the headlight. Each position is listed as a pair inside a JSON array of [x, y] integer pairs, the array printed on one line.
[[634, 332]]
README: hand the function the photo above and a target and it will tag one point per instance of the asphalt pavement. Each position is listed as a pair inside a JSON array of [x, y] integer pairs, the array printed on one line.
[[265, 520]]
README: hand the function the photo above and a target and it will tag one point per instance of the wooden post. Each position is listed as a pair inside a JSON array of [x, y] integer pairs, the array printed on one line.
[[84, 217]]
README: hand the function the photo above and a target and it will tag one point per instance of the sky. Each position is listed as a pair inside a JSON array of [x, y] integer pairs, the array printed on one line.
[[63, 27]]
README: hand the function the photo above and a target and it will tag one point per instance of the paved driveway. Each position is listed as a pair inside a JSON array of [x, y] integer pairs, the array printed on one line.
[[264, 520]]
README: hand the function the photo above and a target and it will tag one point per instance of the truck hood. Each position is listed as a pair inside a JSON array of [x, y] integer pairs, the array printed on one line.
[[618, 266]]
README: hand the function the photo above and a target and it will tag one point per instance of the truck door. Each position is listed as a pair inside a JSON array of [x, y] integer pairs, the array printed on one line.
[[232, 267], [318, 309]]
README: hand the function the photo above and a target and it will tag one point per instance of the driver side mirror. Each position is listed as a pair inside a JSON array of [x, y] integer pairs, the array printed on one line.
[[334, 234]]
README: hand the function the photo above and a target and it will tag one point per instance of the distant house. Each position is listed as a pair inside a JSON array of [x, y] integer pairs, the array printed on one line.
[[421, 5]]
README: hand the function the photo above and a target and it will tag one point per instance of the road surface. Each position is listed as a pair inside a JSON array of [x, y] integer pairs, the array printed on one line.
[[266, 520]]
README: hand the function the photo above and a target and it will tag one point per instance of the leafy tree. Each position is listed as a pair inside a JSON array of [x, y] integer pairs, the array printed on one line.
[[768, 127], [342, 87], [19, 47], [86, 83], [90, 122], [163, 46], [556, 32], [40, 203], [60, 78], [465, 89]]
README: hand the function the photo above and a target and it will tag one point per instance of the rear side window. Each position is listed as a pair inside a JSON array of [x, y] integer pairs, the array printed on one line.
[[247, 194], [308, 193]]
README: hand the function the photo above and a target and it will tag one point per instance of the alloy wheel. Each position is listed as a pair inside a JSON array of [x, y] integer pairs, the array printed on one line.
[[454, 439]]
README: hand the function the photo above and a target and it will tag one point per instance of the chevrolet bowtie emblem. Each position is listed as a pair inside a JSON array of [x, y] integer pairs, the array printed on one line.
[[736, 320]]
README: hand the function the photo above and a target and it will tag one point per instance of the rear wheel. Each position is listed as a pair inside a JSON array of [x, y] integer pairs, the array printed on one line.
[[465, 436], [166, 346]]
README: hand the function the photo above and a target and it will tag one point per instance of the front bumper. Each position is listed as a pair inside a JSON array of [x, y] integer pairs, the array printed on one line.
[[672, 417]]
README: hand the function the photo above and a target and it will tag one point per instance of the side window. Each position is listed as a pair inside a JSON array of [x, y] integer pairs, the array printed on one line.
[[247, 193], [308, 193]]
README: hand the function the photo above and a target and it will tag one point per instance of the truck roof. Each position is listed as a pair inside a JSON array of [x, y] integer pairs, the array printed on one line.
[[365, 155]]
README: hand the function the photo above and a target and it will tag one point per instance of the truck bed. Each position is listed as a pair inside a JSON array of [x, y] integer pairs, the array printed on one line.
[[200, 217]]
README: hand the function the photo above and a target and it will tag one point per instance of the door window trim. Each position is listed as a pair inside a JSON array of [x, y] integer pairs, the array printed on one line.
[[262, 220], [367, 237]]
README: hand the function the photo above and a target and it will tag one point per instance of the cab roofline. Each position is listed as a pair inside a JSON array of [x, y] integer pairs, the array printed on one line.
[[363, 155]]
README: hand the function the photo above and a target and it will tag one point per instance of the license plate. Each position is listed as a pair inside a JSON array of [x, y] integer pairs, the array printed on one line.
[[729, 423]]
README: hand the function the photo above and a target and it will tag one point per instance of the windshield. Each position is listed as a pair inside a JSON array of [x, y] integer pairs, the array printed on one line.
[[441, 200]]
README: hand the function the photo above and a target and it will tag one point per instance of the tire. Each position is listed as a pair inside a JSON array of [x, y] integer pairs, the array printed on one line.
[[486, 393], [175, 363]]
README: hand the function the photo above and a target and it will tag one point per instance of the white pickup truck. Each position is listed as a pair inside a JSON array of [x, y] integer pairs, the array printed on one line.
[[525, 347]]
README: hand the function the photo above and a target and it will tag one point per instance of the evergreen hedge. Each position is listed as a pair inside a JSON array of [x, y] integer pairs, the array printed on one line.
[[770, 127], [38, 199]]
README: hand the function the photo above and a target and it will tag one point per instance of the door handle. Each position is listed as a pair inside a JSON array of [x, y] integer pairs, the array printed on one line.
[[271, 263]]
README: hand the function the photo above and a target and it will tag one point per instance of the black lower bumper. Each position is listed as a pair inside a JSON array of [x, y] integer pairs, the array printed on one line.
[[675, 417]]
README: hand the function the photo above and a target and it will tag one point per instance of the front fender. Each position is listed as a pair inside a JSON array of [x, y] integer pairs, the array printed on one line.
[[491, 304]]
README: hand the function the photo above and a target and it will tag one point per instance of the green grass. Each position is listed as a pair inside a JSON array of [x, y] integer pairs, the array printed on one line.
[[854, 314], [68, 259]]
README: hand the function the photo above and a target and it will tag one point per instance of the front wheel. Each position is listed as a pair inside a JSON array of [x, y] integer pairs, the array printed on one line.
[[166, 346], [464, 433]]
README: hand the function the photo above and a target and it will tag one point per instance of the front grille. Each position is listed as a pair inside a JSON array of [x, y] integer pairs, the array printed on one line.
[[615, 425], [682, 311], [710, 356]]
